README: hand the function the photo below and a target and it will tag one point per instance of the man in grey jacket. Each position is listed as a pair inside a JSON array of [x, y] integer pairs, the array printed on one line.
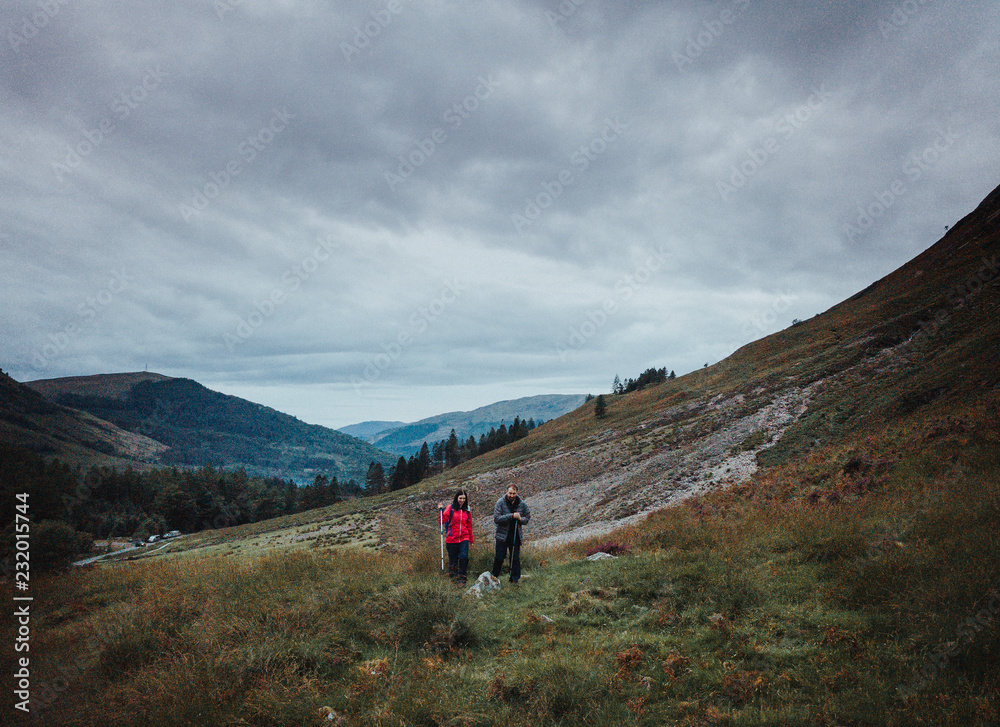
[[510, 515]]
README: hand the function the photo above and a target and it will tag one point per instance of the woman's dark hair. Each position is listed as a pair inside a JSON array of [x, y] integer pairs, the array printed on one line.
[[454, 501]]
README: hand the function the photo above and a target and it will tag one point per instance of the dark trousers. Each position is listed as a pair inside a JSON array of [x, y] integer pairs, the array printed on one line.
[[504, 547], [458, 560]]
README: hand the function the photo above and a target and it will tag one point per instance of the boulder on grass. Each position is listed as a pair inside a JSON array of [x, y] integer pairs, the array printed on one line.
[[600, 556]]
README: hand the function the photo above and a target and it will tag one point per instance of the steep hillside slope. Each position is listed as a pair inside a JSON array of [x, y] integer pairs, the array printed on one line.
[[200, 426], [920, 343], [407, 439], [29, 420]]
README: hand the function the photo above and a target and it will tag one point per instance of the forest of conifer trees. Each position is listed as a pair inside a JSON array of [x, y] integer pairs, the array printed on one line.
[[443, 455]]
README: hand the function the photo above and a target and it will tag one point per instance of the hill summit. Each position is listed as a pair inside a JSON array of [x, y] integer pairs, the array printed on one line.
[[199, 426]]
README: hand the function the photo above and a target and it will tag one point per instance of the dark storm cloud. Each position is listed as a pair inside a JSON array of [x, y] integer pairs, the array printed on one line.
[[372, 200]]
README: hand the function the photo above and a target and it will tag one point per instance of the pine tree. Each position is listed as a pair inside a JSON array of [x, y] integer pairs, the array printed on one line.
[[375, 479], [397, 477], [600, 408], [413, 475], [424, 461]]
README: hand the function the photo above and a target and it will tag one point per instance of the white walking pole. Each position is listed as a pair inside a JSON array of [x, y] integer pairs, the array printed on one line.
[[441, 523]]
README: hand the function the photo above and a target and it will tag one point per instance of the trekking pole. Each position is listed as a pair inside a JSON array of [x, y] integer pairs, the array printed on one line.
[[441, 523], [513, 544]]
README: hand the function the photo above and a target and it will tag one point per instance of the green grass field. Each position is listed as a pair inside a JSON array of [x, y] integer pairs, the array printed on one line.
[[839, 590]]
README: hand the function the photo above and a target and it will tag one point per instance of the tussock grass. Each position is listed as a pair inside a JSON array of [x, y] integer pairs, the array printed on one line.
[[850, 587]]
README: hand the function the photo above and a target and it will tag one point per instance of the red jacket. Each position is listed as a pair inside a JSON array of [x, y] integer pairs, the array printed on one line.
[[461, 525]]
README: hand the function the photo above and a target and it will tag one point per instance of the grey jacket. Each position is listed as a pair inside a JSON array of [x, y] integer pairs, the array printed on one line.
[[504, 518]]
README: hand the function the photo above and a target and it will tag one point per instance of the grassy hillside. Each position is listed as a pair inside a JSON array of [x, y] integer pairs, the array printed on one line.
[[831, 558], [758, 606], [203, 427], [28, 420]]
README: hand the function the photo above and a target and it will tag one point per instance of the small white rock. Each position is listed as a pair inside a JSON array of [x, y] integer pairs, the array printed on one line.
[[600, 556]]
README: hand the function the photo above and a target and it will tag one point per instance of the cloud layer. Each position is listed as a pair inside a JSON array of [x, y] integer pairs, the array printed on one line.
[[386, 210]]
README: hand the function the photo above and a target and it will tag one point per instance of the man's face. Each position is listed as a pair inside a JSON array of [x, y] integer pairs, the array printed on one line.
[[511, 494]]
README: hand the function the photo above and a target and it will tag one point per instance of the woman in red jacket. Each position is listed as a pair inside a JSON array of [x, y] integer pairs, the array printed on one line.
[[458, 521]]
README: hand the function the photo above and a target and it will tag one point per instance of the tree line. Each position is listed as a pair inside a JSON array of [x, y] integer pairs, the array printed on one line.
[[70, 506], [443, 455], [648, 377], [104, 502]]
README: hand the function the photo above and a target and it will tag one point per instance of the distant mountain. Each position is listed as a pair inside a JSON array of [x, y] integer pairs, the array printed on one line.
[[199, 426], [407, 439], [370, 431]]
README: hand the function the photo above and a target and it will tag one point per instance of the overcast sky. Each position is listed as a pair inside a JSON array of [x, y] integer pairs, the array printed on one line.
[[361, 209]]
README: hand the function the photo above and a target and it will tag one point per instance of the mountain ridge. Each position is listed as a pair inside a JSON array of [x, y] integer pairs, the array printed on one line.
[[198, 426], [407, 439]]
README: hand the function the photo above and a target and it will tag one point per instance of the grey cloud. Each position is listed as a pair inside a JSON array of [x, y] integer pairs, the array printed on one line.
[[892, 88]]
